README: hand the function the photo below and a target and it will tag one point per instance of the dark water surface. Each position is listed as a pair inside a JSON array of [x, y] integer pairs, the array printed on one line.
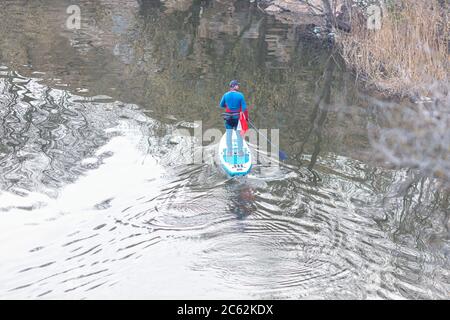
[[98, 201]]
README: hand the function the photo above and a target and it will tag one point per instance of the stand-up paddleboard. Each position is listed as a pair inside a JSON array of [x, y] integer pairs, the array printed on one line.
[[234, 164]]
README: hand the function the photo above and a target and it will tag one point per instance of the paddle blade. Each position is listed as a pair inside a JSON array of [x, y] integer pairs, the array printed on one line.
[[283, 156]]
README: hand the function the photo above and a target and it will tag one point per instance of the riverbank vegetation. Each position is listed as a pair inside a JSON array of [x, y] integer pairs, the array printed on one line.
[[407, 53], [399, 47]]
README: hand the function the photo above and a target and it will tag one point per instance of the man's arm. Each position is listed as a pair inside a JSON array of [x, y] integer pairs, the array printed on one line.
[[243, 104], [222, 102]]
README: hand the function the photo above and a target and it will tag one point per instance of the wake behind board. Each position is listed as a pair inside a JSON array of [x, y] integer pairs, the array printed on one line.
[[234, 164]]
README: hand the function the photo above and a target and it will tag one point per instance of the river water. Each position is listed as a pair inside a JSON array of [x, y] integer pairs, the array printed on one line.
[[99, 198]]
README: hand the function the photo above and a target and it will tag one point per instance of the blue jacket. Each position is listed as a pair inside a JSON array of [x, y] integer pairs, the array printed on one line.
[[233, 101]]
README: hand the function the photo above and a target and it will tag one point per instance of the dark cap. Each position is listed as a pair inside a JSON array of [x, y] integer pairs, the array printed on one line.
[[234, 83]]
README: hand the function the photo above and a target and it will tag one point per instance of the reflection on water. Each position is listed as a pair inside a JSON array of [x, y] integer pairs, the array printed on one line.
[[90, 181]]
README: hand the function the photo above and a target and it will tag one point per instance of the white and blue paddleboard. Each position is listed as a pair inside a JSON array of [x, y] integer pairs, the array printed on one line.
[[235, 165]]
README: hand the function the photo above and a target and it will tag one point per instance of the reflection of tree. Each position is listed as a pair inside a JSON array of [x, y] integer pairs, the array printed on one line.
[[416, 217], [423, 204], [320, 111], [178, 62]]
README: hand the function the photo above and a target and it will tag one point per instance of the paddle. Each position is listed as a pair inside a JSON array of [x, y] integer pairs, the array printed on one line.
[[282, 155]]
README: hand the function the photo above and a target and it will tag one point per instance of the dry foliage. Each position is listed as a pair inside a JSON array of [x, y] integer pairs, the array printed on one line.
[[407, 54]]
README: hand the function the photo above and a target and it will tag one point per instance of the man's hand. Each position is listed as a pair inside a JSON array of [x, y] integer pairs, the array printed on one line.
[[246, 114]]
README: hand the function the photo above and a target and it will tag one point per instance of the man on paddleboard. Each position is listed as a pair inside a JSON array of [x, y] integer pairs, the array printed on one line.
[[234, 102]]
